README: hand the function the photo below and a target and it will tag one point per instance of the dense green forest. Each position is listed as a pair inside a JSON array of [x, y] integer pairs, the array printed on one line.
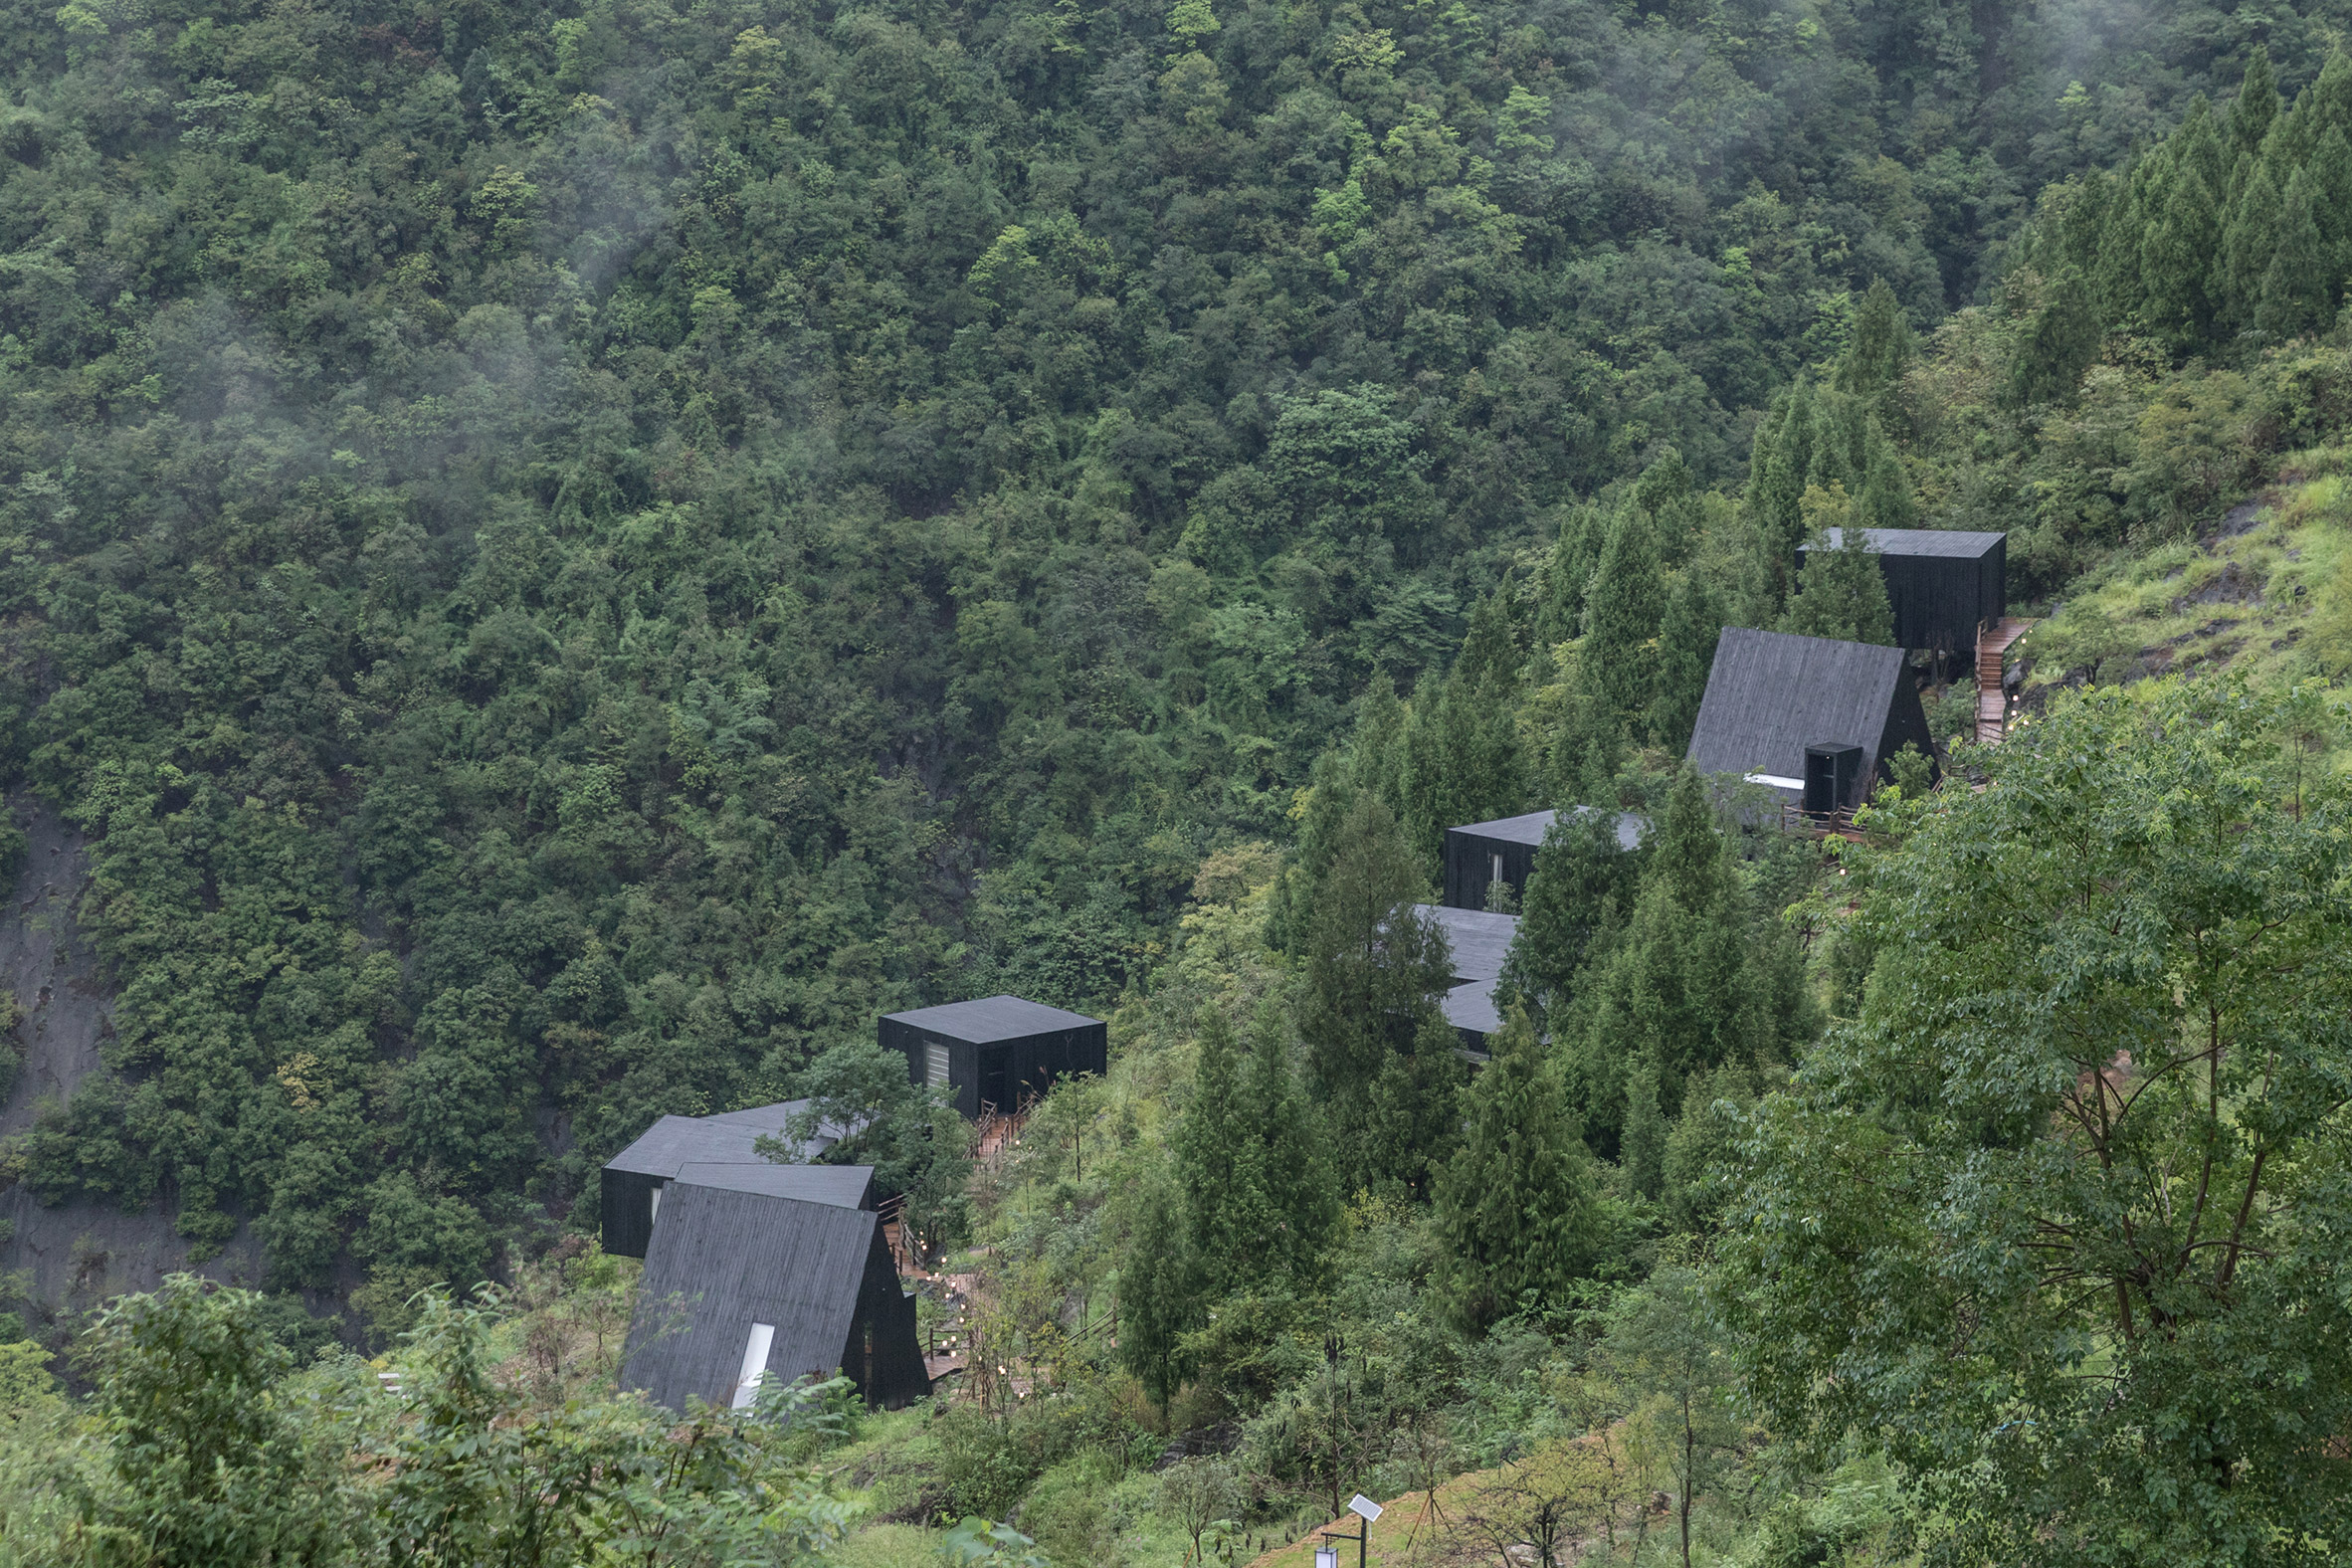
[[564, 559]]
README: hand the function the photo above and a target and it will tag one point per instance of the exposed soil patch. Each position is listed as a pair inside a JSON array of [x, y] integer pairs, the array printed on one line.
[[78, 1252], [2235, 585]]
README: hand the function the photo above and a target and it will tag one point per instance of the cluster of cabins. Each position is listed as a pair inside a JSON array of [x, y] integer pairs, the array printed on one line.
[[757, 1270], [760, 1270], [1813, 721]]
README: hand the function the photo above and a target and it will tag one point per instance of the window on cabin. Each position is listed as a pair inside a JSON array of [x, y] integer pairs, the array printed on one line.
[[755, 1364], [934, 1062], [656, 1212], [1495, 875]]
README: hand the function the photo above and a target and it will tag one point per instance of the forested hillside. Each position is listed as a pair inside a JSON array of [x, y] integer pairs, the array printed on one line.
[[565, 558], [568, 559]]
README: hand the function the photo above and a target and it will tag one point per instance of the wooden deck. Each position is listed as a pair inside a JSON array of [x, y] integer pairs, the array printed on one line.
[[1991, 701]]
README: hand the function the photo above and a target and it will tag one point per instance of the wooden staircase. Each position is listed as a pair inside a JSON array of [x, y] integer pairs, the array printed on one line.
[[1991, 701]]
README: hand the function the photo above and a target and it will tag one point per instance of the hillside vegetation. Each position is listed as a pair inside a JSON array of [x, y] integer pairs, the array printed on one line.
[[566, 558]]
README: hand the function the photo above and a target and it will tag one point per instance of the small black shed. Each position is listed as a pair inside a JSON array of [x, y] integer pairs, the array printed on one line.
[[997, 1052], [1484, 852], [744, 1285], [1940, 584], [632, 1183], [1779, 709]]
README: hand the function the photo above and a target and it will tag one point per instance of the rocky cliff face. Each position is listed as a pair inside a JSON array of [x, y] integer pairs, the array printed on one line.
[[78, 1251]]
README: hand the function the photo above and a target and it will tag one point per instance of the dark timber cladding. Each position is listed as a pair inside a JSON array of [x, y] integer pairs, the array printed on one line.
[[1478, 855], [633, 1178], [1940, 584], [730, 1270], [997, 1052], [1770, 696]]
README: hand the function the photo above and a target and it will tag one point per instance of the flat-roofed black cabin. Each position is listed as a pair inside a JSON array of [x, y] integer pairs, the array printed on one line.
[[1941, 584], [741, 1288], [1478, 942], [719, 1149], [998, 1051], [1811, 718], [1483, 852]]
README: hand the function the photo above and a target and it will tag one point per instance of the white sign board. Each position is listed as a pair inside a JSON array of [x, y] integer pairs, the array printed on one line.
[[1364, 1505]]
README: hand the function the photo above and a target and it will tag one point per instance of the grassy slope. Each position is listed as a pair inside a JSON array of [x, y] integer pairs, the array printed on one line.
[[2266, 596]]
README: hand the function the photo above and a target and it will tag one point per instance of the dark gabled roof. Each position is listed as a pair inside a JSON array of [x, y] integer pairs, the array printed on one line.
[[724, 1140], [1479, 940], [1530, 828], [1920, 542], [723, 1260], [992, 1018], [842, 1186], [1771, 695]]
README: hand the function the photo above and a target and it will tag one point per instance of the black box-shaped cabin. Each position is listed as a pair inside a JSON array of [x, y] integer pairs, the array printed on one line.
[[741, 1287], [998, 1051], [720, 1150], [1484, 852], [1812, 718], [1941, 585]]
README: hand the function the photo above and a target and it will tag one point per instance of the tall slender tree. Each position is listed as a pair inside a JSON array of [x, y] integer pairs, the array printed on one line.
[[1518, 1203], [1582, 882], [2298, 286]]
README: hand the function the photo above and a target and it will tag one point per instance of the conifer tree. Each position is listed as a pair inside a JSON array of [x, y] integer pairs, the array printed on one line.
[[2327, 179], [1583, 879], [1614, 677], [2257, 108], [1886, 500], [1685, 654], [1841, 441], [2058, 348], [1216, 1168], [1326, 801], [1517, 1204], [2297, 292], [2247, 249], [1688, 854], [1158, 1303], [1879, 347], [2119, 281], [1679, 991], [1773, 504], [1645, 1147], [1289, 1164], [2180, 252], [1842, 593], [1462, 760], [1257, 1200], [1375, 972], [1568, 572], [1378, 744], [1617, 662]]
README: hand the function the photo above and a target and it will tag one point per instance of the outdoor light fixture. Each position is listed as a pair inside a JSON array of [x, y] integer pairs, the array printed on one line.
[[1326, 1557]]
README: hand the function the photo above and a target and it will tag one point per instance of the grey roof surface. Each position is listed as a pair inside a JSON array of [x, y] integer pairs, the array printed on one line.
[[992, 1017], [1471, 1005], [842, 1186], [722, 1261], [1771, 695], [1479, 940], [1920, 542], [726, 1138], [1530, 828]]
